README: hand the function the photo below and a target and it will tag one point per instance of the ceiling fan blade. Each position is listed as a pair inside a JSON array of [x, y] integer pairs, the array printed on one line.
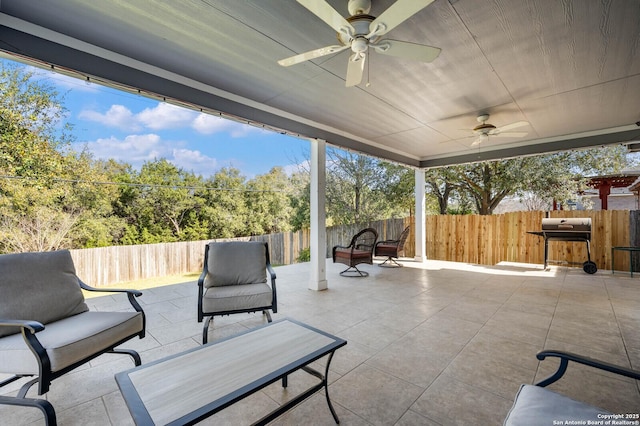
[[509, 134], [510, 126], [355, 69], [479, 140], [396, 14], [329, 15], [405, 49], [312, 54]]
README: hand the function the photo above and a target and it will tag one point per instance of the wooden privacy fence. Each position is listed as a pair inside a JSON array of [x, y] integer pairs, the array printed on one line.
[[485, 240], [110, 265], [488, 240]]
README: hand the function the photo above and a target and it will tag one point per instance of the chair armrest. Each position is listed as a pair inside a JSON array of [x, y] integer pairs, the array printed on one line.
[[272, 273], [274, 300], [28, 330], [32, 326], [565, 357], [131, 294], [201, 278]]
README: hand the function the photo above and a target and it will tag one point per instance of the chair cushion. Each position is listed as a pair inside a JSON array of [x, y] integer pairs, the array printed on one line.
[[236, 262], [535, 406], [40, 287], [232, 298], [387, 249], [356, 254], [69, 340]]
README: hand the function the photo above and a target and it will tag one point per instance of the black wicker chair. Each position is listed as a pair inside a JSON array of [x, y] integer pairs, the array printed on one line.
[[359, 250], [392, 249]]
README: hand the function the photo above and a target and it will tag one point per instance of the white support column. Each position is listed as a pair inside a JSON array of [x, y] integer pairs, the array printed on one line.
[[318, 280], [421, 233]]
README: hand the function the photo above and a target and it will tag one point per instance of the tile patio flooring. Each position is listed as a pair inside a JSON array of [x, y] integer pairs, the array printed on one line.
[[435, 344]]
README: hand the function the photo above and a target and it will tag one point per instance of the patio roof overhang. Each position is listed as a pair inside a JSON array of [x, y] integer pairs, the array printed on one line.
[[572, 73]]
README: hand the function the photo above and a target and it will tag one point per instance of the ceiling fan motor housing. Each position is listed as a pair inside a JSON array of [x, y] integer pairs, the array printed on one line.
[[359, 7], [484, 128]]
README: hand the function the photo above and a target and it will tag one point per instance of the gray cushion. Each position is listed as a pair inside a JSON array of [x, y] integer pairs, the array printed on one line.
[[538, 406], [69, 340], [236, 262], [40, 287], [232, 298]]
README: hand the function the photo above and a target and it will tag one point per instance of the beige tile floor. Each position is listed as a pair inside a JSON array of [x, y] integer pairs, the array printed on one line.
[[439, 343]]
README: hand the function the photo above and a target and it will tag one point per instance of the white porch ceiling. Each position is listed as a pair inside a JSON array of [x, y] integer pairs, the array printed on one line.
[[571, 68]]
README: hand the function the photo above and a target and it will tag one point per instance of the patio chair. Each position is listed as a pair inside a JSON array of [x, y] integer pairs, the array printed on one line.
[[46, 328], [535, 405], [359, 250], [234, 280], [392, 249]]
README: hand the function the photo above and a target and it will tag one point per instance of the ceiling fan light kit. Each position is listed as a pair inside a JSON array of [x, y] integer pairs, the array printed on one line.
[[361, 31]]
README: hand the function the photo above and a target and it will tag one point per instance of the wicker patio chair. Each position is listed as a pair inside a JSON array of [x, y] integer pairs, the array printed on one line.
[[359, 250], [392, 249]]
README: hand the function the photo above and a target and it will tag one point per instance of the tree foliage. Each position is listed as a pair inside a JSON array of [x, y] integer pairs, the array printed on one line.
[[559, 176]]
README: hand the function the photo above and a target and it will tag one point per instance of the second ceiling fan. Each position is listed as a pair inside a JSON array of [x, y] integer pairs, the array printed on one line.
[[361, 31], [484, 130]]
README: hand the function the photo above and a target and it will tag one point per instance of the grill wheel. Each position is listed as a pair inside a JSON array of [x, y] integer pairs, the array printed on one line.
[[589, 267]]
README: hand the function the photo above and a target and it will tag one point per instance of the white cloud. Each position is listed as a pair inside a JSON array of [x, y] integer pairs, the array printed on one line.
[[194, 161], [133, 149], [117, 116], [137, 149], [165, 116]]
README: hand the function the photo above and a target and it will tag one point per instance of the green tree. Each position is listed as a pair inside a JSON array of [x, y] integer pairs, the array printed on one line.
[[225, 210], [397, 186], [559, 176], [167, 208], [300, 200], [34, 207], [267, 199], [353, 182]]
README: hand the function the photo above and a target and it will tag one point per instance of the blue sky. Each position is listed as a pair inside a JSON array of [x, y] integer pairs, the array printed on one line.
[[131, 128]]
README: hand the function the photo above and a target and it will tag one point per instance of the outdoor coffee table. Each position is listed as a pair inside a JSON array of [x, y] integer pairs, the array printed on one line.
[[186, 388]]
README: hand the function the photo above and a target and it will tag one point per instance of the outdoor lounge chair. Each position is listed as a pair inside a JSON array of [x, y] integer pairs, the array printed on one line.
[[535, 405], [46, 328], [359, 250], [234, 280], [392, 249]]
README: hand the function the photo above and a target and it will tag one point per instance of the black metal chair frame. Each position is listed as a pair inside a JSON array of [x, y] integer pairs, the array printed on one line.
[[356, 244], [565, 357], [29, 330], [551, 405], [209, 315], [399, 243]]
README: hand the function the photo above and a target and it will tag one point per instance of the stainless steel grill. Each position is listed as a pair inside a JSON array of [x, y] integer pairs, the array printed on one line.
[[576, 229]]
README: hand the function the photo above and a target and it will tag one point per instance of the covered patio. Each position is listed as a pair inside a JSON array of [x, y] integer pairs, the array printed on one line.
[[433, 343]]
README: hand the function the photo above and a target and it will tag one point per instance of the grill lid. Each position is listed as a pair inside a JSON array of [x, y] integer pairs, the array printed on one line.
[[576, 224]]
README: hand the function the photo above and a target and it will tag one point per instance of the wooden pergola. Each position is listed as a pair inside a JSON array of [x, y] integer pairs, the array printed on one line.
[[604, 184]]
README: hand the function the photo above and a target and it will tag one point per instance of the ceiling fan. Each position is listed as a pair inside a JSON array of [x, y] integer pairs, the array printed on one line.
[[484, 130], [361, 31]]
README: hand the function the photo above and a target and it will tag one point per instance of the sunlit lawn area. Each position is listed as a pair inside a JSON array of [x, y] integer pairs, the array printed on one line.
[[147, 283]]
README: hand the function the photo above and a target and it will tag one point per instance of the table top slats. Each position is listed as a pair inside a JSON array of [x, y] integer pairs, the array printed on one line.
[[183, 384]]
